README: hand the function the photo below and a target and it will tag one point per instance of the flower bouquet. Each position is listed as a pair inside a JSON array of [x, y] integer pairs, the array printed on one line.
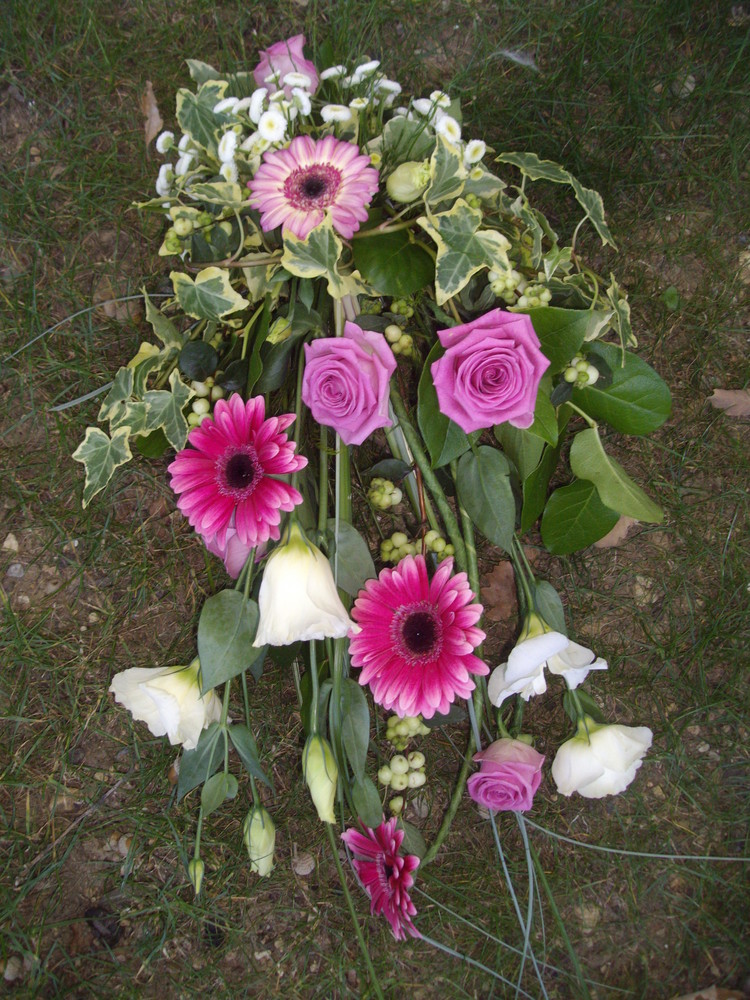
[[366, 303]]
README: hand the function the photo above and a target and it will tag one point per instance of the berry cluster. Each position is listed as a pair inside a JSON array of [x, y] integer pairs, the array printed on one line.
[[395, 548], [383, 494], [579, 372]]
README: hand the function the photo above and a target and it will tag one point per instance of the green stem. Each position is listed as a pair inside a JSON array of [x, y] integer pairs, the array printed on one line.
[[430, 479], [323, 480], [400, 450], [315, 696], [350, 903], [586, 417], [294, 482]]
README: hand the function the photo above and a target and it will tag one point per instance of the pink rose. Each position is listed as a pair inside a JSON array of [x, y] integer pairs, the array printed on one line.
[[490, 371], [509, 775], [282, 58], [345, 384]]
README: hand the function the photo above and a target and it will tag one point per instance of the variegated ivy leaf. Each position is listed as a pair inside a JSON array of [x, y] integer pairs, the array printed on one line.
[[258, 280], [405, 140], [219, 193], [118, 395], [210, 296], [164, 409], [202, 72], [196, 115], [318, 256], [164, 328], [447, 172], [483, 183], [100, 456], [546, 170], [133, 417], [461, 249]]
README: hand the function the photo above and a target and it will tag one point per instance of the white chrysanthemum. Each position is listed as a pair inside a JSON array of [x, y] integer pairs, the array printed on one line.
[[243, 105], [184, 142], [257, 104], [476, 174], [273, 77], [228, 171], [335, 113], [389, 86], [474, 152], [440, 98], [165, 142], [226, 104], [358, 103], [449, 128], [423, 106], [301, 100], [333, 72], [184, 163], [227, 147], [272, 125], [297, 79], [164, 180], [254, 143], [366, 68]]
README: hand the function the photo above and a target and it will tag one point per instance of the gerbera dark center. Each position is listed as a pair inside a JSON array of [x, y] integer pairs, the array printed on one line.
[[313, 187], [240, 472], [388, 870], [417, 632]]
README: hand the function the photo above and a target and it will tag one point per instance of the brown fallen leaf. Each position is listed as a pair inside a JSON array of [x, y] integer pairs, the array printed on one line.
[[499, 593], [712, 993], [617, 535], [150, 111], [734, 402]]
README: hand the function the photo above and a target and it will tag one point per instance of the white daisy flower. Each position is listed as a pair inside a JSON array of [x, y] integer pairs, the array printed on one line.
[[474, 152], [164, 180], [449, 128], [366, 68], [358, 103], [301, 100], [272, 125], [165, 142], [228, 171], [440, 98], [227, 147], [227, 104], [257, 102], [296, 79], [332, 72], [335, 113]]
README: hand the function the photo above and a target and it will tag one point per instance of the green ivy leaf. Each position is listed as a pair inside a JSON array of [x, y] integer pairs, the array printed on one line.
[[546, 170], [575, 518], [210, 296], [636, 402], [226, 630], [461, 249], [392, 264], [484, 491], [354, 564], [444, 439], [202, 72], [588, 460], [120, 393], [447, 172], [196, 116], [318, 256], [100, 456], [164, 328], [196, 766], [165, 410], [355, 726], [220, 193]]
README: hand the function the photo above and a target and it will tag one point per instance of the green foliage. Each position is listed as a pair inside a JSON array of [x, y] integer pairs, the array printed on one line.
[[355, 726], [574, 518], [637, 401], [350, 555], [226, 630], [210, 296], [588, 460], [444, 439], [484, 491], [392, 264]]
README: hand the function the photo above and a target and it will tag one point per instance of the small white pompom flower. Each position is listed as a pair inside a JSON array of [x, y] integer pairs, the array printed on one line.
[[243, 105], [227, 104], [257, 103], [440, 98], [227, 147], [474, 152], [296, 79], [301, 100], [449, 128], [366, 68], [335, 113], [184, 163], [358, 103], [228, 171], [333, 72], [184, 142], [165, 142], [272, 125], [388, 86], [164, 180], [423, 106]]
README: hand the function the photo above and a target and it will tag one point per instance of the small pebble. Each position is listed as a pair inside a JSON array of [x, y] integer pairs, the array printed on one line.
[[10, 544], [303, 863], [15, 571], [13, 969]]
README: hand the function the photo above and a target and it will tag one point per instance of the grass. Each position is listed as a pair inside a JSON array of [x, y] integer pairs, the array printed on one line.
[[120, 584]]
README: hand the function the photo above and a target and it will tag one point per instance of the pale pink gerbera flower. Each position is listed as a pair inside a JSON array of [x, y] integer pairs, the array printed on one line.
[[385, 875], [294, 187], [416, 638], [225, 479]]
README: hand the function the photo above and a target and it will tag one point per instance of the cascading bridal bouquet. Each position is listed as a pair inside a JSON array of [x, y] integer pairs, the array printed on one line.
[[347, 266]]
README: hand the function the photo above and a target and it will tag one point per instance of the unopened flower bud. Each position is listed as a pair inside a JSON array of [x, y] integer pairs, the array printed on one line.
[[259, 834], [321, 774], [408, 181], [280, 330], [196, 868]]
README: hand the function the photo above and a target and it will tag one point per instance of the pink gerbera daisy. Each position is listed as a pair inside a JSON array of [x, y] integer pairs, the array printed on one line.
[[416, 638], [225, 480], [294, 187], [385, 875]]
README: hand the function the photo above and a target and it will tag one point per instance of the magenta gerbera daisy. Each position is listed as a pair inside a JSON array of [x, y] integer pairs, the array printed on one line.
[[296, 186], [416, 638], [385, 874], [225, 478]]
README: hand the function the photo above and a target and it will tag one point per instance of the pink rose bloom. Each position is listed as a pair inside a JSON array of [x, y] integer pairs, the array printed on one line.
[[282, 58], [234, 552], [509, 775], [345, 384], [490, 371]]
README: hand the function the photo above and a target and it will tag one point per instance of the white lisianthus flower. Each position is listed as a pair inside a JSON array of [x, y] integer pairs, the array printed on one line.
[[335, 113], [321, 774], [164, 180], [298, 597], [168, 700], [448, 127], [228, 171], [165, 142], [272, 125], [226, 104], [600, 760], [332, 72], [539, 647], [257, 103], [408, 181], [259, 833], [301, 100], [474, 152], [227, 147]]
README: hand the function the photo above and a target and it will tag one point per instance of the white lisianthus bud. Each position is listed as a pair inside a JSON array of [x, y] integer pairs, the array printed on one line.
[[196, 869], [335, 113], [298, 599], [600, 760], [321, 775], [227, 146], [259, 834], [168, 700], [408, 181], [165, 142]]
